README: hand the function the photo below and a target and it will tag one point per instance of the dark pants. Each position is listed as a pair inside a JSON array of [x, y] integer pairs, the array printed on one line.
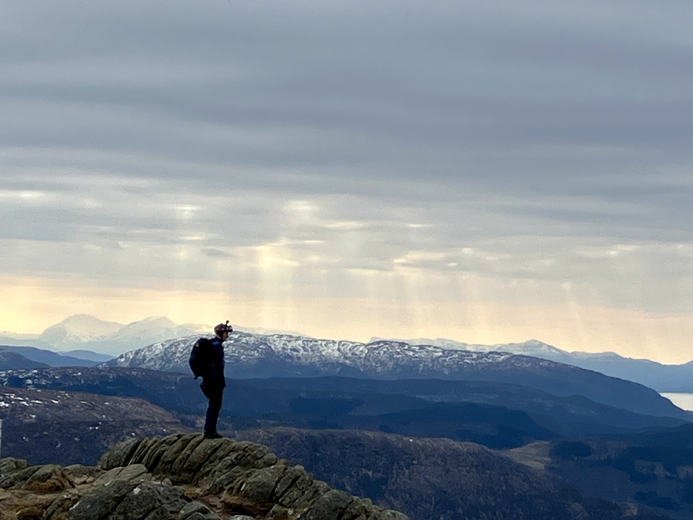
[[214, 392]]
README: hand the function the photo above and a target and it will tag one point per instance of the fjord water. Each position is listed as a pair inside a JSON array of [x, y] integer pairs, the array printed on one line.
[[682, 400]]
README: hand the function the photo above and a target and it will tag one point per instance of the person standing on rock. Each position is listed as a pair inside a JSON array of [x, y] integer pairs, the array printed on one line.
[[213, 382]]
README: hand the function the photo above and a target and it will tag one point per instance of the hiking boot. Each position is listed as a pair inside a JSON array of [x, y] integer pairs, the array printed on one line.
[[213, 435]]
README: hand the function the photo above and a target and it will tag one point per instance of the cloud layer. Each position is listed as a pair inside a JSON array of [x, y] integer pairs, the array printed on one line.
[[392, 152]]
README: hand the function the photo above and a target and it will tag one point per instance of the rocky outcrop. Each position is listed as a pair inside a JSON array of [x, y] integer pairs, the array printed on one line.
[[179, 477]]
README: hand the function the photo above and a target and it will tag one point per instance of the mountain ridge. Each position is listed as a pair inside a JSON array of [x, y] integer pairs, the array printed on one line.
[[249, 356], [48, 357], [662, 377]]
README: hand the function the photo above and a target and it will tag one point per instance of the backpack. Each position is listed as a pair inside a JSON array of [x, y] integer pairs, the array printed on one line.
[[201, 361]]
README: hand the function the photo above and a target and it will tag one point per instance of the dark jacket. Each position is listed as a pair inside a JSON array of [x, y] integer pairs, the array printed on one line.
[[216, 376]]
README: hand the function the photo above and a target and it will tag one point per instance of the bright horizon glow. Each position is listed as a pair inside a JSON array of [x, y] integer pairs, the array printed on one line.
[[568, 326]]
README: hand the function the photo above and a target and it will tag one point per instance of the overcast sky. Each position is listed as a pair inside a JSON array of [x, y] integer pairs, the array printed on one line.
[[482, 171]]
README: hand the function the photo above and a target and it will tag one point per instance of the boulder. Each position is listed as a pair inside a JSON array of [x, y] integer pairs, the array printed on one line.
[[99, 504], [60, 507], [47, 479], [18, 477], [330, 506], [182, 459], [10, 464], [196, 511], [252, 492], [120, 454], [127, 500], [168, 458], [148, 497], [208, 450], [135, 473], [80, 474]]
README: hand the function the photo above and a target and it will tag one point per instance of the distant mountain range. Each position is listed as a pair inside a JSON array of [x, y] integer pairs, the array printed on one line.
[[88, 338], [21, 356], [86, 332], [663, 378], [84, 335], [259, 356], [23, 340], [11, 360]]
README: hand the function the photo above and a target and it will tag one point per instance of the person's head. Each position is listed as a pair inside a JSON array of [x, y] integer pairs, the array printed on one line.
[[222, 330]]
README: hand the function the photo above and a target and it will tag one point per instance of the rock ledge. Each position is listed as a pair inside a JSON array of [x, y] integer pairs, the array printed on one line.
[[179, 477]]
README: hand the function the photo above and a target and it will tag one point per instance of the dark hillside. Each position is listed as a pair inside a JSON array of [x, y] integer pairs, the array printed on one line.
[[653, 469], [49, 358], [53, 426], [570, 415], [477, 411], [433, 479], [248, 405]]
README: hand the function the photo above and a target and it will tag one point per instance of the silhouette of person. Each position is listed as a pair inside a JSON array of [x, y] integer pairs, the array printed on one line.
[[214, 383]]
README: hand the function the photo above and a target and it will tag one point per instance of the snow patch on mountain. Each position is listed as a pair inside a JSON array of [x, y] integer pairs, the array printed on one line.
[[281, 354], [531, 347]]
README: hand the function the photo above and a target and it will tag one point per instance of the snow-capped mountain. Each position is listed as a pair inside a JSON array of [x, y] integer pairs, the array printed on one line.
[[78, 329], [279, 352], [532, 347], [663, 378], [86, 332], [254, 355], [268, 332], [148, 331]]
